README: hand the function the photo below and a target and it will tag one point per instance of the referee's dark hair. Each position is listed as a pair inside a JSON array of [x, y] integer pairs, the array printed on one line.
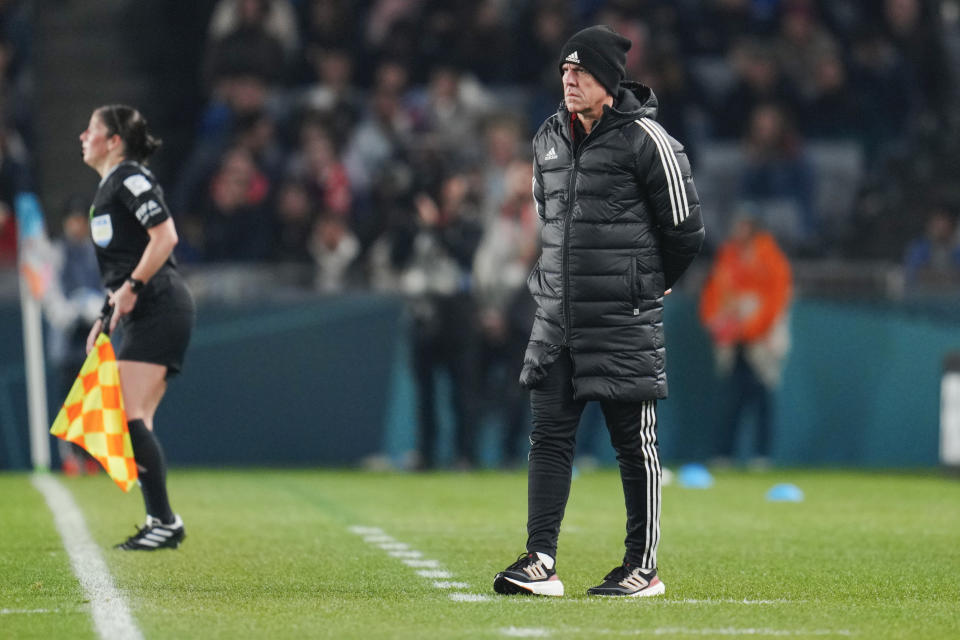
[[131, 126]]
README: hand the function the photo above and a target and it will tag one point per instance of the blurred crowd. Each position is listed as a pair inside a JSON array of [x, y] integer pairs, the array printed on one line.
[[321, 126], [16, 124], [384, 145], [329, 126]]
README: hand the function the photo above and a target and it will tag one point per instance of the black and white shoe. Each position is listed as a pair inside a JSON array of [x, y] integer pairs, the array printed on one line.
[[628, 580], [532, 573], [155, 535]]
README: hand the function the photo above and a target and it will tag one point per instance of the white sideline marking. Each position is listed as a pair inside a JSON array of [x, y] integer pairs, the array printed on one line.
[[680, 631], [728, 601], [426, 567], [446, 584], [378, 538], [659, 601], [525, 632], [422, 564], [111, 615], [469, 597], [364, 531], [729, 631], [8, 612], [434, 573]]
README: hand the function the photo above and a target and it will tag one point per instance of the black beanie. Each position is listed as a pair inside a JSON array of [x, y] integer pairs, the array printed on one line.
[[601, 51]]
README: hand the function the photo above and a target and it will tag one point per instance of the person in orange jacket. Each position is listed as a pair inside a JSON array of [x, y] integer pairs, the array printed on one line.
[[745, 308]]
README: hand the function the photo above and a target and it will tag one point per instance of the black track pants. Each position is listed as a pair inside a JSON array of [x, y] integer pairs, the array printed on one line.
[[633, 432]]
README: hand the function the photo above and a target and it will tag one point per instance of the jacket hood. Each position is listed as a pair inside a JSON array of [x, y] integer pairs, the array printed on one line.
[[633, 101]]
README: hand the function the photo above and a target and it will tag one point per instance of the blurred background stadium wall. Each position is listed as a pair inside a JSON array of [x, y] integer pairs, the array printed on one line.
[[306, 140]]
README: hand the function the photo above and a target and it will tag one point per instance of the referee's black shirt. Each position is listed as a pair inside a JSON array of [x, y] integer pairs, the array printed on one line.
[[128, 202]]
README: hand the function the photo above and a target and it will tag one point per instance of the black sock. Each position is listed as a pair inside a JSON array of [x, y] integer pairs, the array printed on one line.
[[152, 470]]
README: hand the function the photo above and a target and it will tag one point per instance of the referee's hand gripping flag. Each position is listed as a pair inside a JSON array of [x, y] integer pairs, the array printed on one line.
[[93, 417]]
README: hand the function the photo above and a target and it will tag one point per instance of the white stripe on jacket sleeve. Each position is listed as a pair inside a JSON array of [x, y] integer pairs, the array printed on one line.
[[671, 168]]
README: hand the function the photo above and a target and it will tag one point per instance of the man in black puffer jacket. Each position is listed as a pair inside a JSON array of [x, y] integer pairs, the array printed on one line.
[[621, 223]]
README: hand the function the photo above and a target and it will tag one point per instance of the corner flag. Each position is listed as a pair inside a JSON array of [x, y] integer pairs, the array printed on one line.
[[93, 417]]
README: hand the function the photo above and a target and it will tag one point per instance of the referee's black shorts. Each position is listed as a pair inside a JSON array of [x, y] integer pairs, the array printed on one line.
[[158, 329]]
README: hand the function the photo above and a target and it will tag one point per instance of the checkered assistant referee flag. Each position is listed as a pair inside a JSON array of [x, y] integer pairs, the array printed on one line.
[[92, 416]]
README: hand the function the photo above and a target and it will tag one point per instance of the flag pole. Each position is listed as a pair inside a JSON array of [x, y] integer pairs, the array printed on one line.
[[35, 274], [36, 379]]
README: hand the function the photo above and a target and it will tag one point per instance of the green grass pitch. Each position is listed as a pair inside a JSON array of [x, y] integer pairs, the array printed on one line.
[[271, 554]]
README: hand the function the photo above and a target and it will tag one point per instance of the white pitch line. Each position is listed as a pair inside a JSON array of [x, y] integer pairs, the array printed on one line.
[[679, 631], [425, 567], [378, 539], [731, 631], [366, 531], [659, 601], [434, 573], [11, 612], [745, 601], [525, 632], [469, 597], [422, 564], [111, 615], [446, 584]]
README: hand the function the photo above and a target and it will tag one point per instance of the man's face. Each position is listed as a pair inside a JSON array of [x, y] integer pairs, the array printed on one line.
[[582, 93]]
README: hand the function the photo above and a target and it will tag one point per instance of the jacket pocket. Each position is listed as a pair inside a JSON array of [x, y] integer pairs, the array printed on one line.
[[650, 283], [634, 287]]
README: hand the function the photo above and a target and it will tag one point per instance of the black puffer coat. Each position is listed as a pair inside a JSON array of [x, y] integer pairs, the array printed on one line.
[[621, 223]]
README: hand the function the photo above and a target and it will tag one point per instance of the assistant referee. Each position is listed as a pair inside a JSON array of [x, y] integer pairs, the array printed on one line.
[[134, 236]]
